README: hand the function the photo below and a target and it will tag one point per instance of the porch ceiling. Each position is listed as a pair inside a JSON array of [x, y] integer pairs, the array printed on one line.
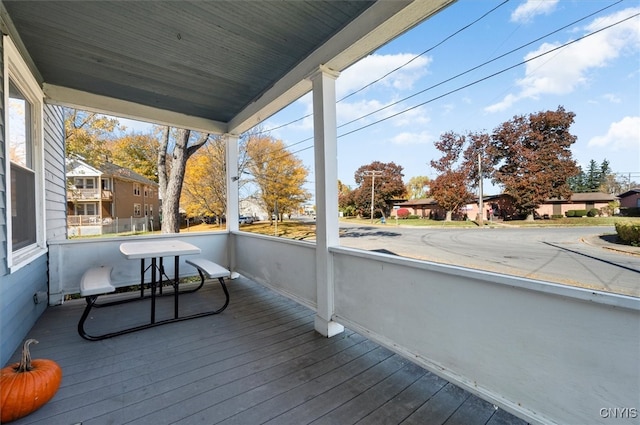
[[213, 65]]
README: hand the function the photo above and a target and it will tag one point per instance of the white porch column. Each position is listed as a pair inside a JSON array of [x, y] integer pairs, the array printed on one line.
[[326, 177], [233, 206]]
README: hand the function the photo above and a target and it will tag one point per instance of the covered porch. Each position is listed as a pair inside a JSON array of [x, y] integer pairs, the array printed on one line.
[[399, 329], [518, 344], [260, 361]]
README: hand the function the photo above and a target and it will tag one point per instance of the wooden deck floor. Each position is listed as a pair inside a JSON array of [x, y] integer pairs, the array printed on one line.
[[259, 362]]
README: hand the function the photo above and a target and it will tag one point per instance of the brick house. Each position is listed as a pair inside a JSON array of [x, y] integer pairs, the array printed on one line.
[[630, 198], [109, 199], [501, 206]]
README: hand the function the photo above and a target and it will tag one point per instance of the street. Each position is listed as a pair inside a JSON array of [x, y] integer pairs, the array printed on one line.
[[574, 256]]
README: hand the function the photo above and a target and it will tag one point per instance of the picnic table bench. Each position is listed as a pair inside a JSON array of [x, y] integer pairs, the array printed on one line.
[[96, 281]]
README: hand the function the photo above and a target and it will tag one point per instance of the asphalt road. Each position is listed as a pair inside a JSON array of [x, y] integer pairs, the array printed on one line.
[[574, 255]]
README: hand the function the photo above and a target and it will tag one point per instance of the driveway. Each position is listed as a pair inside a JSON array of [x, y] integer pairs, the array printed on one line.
[[578, 256]]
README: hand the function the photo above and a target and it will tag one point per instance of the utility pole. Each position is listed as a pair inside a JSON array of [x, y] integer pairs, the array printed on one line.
[[373, 174]]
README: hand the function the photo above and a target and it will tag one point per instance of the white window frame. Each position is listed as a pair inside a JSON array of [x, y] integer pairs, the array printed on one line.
[[137, 210], [16, 70], [136, 189]]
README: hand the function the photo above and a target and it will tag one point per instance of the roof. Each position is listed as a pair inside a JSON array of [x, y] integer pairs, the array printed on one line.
[[418, 202], [217, 66], [78, 168], [593, 197], [110, 169], [630, 192]]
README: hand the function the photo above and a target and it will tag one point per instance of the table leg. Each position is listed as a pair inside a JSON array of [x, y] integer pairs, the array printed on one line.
[[153, 290], [175, 286], [161, 272], [142, 278]]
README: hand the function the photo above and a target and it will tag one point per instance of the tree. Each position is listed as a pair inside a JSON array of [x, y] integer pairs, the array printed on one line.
[[86, 135], [592, 177], [388, 185], [345, 204], [278, 174], [418, 187], [172, 164], [451, 188], [137, 152], [532, 158], [204, 192]]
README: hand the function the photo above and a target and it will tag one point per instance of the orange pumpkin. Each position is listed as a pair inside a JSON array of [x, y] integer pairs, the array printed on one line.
[[28, 385]]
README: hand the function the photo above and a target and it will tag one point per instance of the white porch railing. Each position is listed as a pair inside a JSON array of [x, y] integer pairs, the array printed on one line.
[[545, 352]]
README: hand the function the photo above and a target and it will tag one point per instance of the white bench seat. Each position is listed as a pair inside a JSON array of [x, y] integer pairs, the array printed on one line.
[[208, 267], [96, 281]]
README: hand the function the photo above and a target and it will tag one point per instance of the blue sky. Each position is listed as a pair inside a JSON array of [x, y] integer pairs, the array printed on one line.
[[597, 78]]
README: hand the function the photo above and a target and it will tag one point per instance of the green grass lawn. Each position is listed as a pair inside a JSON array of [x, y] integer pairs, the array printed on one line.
[[294, 229]]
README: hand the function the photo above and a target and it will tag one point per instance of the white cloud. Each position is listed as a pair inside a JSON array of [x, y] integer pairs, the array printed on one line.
[[624, 134], [612, 98], [375, 66], [364, 72], [563, 71], [532, 8], [408, 138]]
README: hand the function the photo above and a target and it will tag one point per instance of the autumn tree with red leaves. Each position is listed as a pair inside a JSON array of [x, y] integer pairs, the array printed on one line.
[[388, 185], [532, 158], [451, 188]]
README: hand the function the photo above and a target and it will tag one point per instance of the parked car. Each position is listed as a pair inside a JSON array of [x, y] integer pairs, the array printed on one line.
[[246, 220]]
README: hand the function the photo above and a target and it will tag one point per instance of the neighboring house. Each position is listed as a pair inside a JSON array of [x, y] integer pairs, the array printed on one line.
[[109, 199], [578, 201], [501, 206], [630, 199]]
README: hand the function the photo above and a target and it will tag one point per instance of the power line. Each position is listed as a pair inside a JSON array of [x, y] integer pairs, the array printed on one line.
[[426, 51], [399, 67], [451, 78], [477, 67], [466, 85], [489, 76]]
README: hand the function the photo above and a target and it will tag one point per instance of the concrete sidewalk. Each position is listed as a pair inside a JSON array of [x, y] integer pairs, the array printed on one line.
[[610, 242]]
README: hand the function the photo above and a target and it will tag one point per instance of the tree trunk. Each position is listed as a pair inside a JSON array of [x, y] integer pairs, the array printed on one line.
[[529, 217], [162, 169], [173, 186], [448, 216]]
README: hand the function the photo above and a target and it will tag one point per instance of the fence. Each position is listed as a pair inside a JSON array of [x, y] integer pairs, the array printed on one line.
[[89, 225]]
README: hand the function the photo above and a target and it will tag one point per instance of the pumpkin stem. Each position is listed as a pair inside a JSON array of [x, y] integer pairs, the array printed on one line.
[[25, 359]]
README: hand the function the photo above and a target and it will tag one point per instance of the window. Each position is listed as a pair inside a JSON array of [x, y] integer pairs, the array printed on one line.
[[25, 197], [137, 210], [136, 189], [146, 209], [84, 183], [86, 209], [146, 191]]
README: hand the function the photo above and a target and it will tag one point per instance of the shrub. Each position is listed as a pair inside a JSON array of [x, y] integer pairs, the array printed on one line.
[[403, 213], [630, 211], [413, 217], [576, 213], [629, 232], [593, 212], [556, 216]]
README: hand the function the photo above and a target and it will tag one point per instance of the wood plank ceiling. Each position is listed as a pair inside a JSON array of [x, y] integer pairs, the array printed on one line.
[[209, 59]]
